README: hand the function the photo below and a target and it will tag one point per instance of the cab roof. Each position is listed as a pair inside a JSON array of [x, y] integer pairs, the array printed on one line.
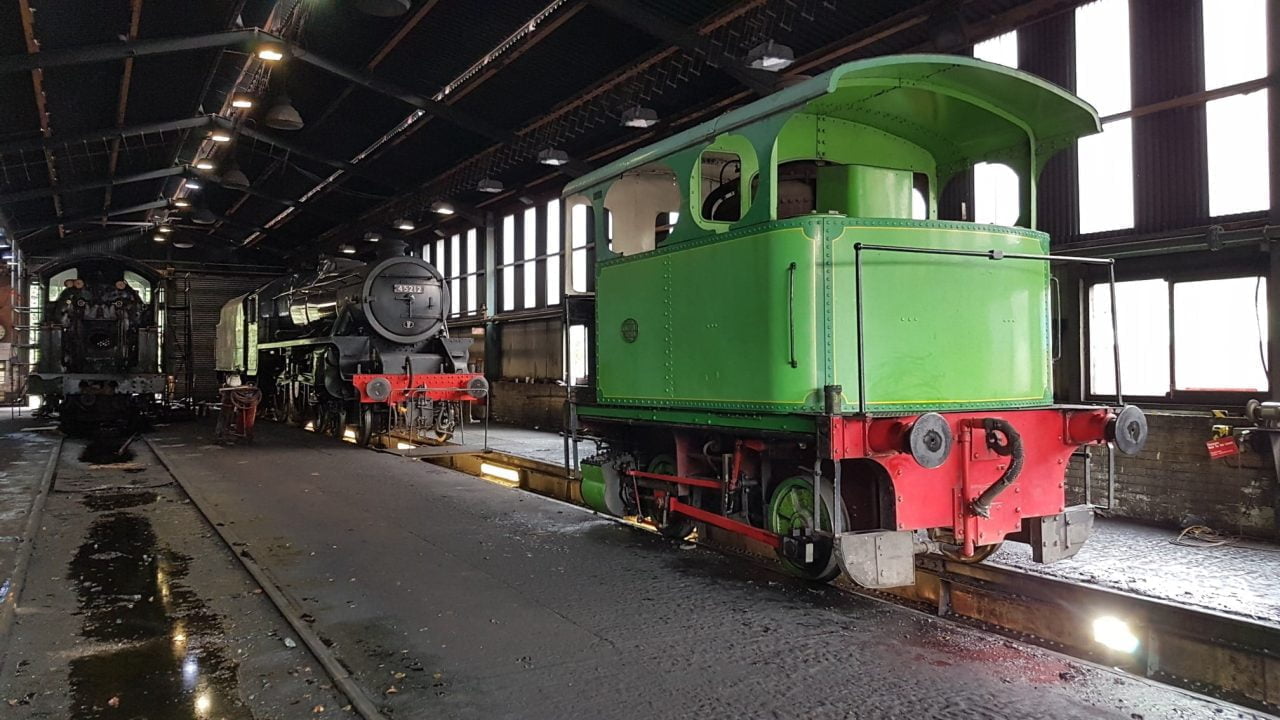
[[962, 110]]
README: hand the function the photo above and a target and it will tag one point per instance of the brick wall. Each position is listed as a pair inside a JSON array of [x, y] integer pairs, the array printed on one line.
[[1173, 482], [537, 405]]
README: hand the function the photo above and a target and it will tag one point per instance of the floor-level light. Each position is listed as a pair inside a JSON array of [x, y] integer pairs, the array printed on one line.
[[1114, 633]]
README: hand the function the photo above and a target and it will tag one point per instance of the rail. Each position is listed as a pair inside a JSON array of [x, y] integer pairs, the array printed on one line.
[[1194, 648], [994, 255]]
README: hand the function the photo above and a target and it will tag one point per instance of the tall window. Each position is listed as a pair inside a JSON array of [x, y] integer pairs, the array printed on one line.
[[579, 217], [531, 258], [579, 360], [473, 264], [555, 248], [1180, 336], [995, 186], [1103, 79], [1235, 51], [508, 262], [455, 276], [530, 252]]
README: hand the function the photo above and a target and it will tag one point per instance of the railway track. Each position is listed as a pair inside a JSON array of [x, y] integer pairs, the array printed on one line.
[[1224, 656]]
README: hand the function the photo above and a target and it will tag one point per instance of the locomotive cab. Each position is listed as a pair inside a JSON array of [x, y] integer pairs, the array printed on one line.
[[899, 366]]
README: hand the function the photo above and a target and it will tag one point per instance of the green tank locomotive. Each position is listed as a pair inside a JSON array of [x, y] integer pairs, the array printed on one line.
[[791, 346]]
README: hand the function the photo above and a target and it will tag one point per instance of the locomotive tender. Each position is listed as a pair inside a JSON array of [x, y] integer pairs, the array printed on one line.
[[354, 342], [807, 356], [98, 365]]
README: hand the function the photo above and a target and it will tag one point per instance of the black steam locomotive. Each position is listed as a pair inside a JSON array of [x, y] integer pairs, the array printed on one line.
[[354, 343], [97, 364]]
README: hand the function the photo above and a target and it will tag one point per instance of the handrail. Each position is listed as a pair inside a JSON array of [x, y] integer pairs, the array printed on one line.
[[995, 255], [791, 314]]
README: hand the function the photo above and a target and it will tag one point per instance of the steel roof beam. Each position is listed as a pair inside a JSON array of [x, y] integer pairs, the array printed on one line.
[[143, 48], [35, 229], [106, 134], [90, 54], [95, 185], [122, 101], [690, 40], [42, 109]]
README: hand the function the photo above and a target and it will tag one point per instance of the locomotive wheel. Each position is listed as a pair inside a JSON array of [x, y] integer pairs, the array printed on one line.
[[674, 526], [364, 425], [337, 417], [980, 553], [791, 508]]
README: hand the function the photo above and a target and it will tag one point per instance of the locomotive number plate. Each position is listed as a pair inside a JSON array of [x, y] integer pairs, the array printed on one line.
[[400, 288]]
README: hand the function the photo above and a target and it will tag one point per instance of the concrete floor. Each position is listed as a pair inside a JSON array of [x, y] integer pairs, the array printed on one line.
[[1241, 579], [134, 608], [451, 597]]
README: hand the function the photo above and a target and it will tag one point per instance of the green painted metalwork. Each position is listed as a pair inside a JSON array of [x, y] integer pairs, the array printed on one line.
[[750, 318], [762, 422], [593, 488]]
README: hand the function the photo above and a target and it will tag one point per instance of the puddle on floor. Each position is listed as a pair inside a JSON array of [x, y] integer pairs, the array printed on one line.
[[117, 500], [164, 658]]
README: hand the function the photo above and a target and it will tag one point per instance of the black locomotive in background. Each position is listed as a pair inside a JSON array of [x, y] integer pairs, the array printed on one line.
[[97, 361], [352, 343]]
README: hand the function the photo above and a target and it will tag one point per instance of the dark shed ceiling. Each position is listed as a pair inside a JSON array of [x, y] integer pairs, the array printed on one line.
[[520, 75]]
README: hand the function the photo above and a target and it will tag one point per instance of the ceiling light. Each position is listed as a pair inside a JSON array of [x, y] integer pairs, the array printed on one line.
[[770, 56], [182, 203], [347, 249], [489, 185], [270, 53], [440, 233], [405, 224], [220, 136], [372, 236], [383, 8], [242, 101], [205, 164], [164, 229], [525, 199], [441, 207], [193, 184], [283, 115], [552, 156], [639, 117], [184, 244], [203, 216], [234, 177], [158, 237]]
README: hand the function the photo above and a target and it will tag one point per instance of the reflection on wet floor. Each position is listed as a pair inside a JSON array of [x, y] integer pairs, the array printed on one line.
[[161, 656]]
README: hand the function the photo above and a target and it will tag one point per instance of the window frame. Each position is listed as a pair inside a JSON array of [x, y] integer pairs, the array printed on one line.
[[1173, 271]]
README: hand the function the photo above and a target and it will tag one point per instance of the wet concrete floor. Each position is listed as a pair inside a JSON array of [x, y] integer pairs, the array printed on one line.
[[133, 608], [1239, 579], [449, 597]]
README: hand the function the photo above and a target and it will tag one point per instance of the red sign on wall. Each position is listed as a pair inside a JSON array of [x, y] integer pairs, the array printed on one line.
[[1222, 447]]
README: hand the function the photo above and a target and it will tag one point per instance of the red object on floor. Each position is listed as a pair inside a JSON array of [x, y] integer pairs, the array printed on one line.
[[1222, 447]]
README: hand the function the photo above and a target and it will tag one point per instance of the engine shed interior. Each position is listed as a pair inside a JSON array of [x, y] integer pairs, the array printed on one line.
[[621, 358]]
